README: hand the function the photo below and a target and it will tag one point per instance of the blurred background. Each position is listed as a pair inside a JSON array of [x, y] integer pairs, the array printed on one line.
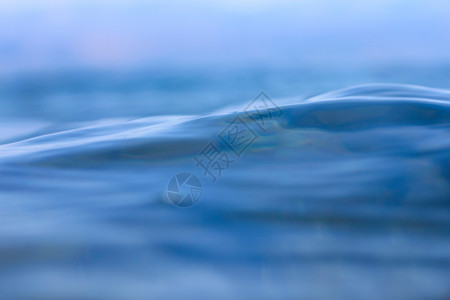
[[76, 60], [346, 196]]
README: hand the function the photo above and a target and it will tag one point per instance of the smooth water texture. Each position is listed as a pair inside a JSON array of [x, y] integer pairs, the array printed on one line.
[[345, 195]]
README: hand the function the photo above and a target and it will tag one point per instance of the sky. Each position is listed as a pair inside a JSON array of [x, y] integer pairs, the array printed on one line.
[[69, 34]]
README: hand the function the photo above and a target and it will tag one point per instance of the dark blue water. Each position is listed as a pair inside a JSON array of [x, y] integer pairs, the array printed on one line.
[[345, 195]]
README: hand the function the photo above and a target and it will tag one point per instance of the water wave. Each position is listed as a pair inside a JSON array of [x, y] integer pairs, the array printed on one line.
[[356, 108], [343, 190]]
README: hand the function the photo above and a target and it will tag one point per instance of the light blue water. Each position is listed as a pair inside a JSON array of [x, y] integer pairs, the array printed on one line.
[[346, 195]]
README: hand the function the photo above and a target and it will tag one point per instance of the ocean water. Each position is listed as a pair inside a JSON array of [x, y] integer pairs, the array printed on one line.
[[332, 194]]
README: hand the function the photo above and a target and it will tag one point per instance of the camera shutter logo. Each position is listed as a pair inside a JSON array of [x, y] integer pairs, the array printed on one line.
[[184, 190]]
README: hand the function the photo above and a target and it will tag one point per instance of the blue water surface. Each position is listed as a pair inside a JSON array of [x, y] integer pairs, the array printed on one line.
[[343, 194]]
